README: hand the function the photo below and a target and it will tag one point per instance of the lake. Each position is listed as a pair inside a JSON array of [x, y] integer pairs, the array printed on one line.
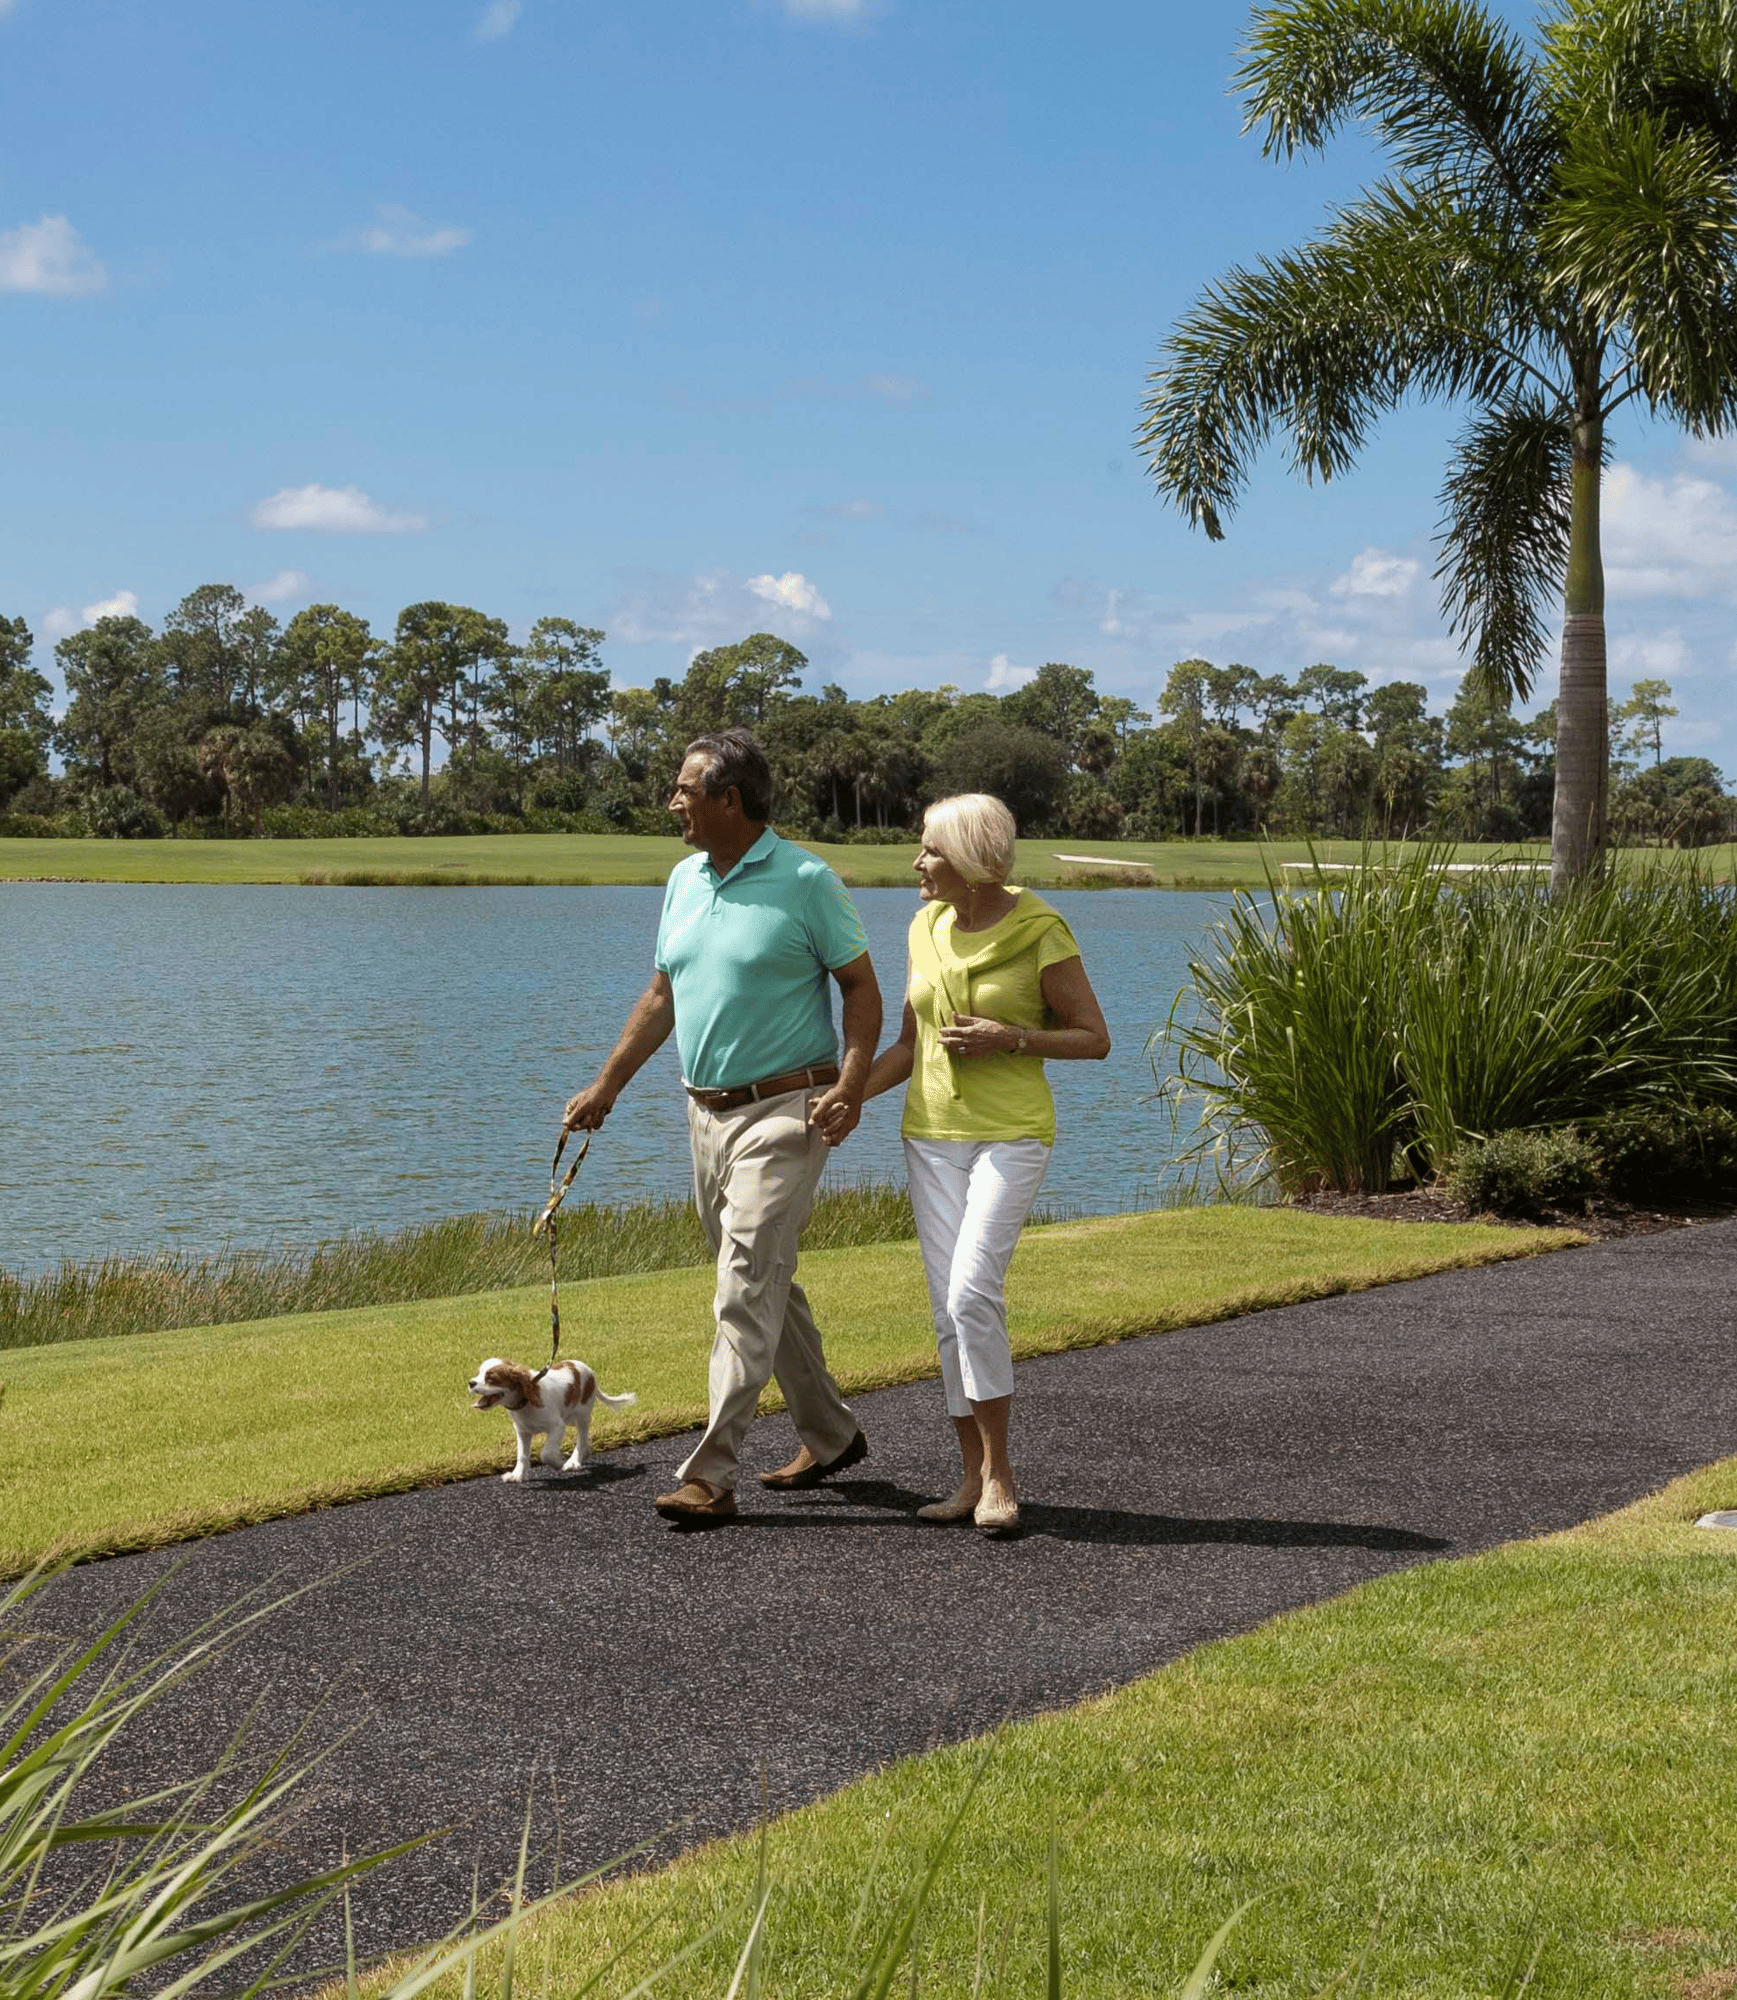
[[201, 1067]]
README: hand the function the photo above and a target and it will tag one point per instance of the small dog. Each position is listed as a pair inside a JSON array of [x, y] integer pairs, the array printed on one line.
[[543, 1404]]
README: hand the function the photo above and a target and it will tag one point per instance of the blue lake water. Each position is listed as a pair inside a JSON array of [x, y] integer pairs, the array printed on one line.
[[208, 1066]]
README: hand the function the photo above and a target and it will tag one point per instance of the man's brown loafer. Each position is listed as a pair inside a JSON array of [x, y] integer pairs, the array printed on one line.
[[805, 1470], [698, 1503]]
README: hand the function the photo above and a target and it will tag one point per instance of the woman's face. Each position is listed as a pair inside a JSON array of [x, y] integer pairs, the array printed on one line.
[[938, 879]]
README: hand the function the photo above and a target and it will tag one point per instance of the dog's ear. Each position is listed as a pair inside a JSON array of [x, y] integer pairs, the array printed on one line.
[[519, 1381]]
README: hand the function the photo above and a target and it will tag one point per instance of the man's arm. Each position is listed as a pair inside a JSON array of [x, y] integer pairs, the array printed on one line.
[[836, 1113], [647, 1030]]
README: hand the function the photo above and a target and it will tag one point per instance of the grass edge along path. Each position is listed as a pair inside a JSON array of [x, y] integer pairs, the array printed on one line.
[[299, 1420], [1449, 1773]]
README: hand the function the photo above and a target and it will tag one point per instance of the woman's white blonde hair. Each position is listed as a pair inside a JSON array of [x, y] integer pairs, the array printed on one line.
[[975, 832]]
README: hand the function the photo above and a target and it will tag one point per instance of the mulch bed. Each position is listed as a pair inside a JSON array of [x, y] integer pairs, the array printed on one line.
[[1600, 1217]]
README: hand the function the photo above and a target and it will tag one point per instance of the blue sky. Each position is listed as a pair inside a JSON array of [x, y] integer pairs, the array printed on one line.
[[691, 317]]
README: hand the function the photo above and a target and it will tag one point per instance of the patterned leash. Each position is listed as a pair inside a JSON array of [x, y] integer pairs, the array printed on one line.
[[557, 1195]]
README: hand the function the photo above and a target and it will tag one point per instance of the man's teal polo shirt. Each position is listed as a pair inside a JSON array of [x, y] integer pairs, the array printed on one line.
[[749, 957]]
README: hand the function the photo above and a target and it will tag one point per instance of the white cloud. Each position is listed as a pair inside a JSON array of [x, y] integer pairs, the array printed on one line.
[[1674, 537], [399, 232], [1375, 573], [124, 604], [791, 592], [878, 385], [497, 20], [61, 622], [828, 10], [1641, 656], [1004, 675], [1719, 451], [331, 510], [49, 258], [892, 388], [715, 607], [283, 588], [857, 510]]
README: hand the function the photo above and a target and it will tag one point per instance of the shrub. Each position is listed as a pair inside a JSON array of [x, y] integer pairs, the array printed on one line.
[[1647, 1151], [1400, 1010], [118, 813], [1524, 1173], [42, 826], [315, 823]]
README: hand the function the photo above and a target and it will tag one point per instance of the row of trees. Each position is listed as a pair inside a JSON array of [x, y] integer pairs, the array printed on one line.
[[226, 721]]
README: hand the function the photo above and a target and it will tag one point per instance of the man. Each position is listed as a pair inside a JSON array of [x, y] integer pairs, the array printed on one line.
[[753, 928]]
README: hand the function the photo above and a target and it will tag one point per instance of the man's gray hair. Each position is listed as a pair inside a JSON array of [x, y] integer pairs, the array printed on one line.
[[734, 758]]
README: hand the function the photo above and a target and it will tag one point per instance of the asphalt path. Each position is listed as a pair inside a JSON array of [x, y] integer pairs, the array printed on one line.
[[1175, 1489]]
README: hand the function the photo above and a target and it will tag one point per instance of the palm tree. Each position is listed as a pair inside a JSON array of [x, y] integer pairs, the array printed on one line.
[[1558, 238]]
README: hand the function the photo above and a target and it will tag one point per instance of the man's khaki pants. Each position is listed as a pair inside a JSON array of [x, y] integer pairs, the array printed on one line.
[[755, 1172]]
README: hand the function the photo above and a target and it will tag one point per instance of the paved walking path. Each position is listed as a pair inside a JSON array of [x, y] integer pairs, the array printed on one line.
[[1177, 1489]]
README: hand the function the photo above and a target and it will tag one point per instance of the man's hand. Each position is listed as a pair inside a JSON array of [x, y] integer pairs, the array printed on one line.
[[587, 1110], [836, 1114]]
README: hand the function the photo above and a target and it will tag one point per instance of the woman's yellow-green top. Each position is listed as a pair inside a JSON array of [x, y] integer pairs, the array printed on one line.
[[996, 973]]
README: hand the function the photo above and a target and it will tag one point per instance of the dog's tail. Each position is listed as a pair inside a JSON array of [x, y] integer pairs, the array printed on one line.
[[617, 1402]]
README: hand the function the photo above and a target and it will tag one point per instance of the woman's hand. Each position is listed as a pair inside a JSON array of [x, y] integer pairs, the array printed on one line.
[[978, 1035]]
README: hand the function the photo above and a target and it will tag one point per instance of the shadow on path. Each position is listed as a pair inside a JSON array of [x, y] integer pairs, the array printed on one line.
[[1110, 1525]]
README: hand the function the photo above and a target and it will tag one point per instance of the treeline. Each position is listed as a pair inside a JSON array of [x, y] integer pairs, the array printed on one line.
[[227, 722]]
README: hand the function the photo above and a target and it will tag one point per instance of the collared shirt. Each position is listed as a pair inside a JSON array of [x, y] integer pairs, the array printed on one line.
[[748, 957]]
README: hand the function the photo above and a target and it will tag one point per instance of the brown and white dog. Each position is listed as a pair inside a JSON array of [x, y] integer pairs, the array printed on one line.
[[543, 1404]]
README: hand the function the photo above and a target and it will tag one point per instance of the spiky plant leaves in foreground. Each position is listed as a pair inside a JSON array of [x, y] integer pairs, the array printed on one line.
[[1559, 238], [161, 1905]]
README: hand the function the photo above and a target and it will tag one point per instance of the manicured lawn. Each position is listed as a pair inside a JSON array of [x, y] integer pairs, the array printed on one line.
[[1455, 1767], [630, 858], [120, 1443]]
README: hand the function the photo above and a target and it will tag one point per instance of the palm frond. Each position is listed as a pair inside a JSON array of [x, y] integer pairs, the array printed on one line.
[[1504, 541], [1644, 231], [1450, 89], [1400, 296], [1671, 59]]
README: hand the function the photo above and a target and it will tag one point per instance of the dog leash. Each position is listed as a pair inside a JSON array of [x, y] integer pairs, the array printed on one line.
[[557, 1195]]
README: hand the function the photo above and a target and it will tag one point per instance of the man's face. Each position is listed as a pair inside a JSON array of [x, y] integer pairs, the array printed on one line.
[[704, 821]]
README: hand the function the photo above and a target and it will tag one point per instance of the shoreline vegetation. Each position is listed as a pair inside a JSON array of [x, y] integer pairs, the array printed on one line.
[[455, 1257], [644, 860], [193, 1467]]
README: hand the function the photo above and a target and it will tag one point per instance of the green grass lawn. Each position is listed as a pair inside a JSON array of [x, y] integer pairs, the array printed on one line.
[[630, 858], [1455, 1767], [292, 1429]]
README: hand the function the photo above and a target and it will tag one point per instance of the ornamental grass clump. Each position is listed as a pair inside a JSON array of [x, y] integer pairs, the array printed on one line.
[[1365, 1027]]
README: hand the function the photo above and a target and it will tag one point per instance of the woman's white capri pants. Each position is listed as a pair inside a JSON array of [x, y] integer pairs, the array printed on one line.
[[971, 1198]]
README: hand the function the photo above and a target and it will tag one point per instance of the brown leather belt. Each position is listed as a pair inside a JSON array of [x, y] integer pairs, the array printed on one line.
[[771, 1086]]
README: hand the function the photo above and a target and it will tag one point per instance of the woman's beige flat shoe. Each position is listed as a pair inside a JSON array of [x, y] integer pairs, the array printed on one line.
[[956, 1509], [997, 1517]]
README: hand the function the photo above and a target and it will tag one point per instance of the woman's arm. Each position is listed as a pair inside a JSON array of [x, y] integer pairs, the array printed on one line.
[[1067, 993], [893, 1064]]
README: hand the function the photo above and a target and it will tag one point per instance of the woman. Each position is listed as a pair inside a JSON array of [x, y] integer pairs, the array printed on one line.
[[995, 988]]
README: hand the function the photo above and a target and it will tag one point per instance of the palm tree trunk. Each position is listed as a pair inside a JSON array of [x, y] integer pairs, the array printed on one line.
[[1582, 710]]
